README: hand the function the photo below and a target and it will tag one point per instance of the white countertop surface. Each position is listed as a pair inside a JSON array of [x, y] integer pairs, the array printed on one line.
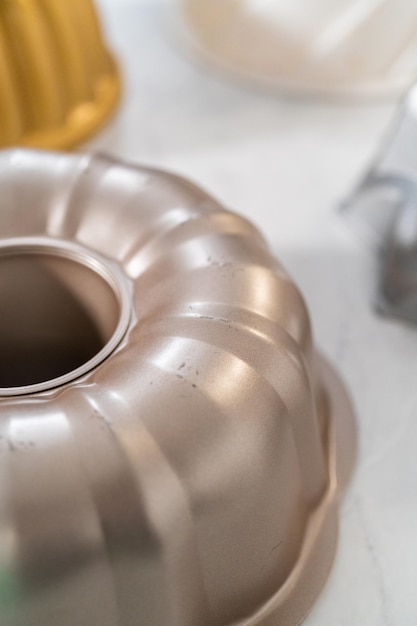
[[286, 164]]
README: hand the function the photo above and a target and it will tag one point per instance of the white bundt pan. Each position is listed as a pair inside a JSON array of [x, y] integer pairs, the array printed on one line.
[[172, 449], [349, 48]]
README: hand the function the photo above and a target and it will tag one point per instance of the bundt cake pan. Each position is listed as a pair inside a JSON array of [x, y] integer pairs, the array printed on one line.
[[172, 448], [323, 47], [58, 82]]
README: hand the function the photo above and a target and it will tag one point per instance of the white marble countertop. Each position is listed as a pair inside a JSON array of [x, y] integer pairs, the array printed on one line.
[[286, 164]]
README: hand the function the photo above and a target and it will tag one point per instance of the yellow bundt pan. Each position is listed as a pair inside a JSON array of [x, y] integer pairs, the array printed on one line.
[[58, 81]]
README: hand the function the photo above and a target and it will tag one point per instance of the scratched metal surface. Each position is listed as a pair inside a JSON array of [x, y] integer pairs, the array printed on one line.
[[286, 164]]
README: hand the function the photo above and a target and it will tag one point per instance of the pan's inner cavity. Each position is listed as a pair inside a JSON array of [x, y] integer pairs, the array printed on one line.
[[56, 314]]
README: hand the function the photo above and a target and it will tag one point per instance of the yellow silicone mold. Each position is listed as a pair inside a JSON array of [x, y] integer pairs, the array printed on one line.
[[58, 81]]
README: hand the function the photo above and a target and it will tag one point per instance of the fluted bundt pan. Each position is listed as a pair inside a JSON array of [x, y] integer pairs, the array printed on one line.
[[172, 449], [327, 47], [58, 82]]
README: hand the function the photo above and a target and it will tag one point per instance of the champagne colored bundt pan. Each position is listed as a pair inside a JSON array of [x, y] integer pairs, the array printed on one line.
[[58, 82], [172, 449]]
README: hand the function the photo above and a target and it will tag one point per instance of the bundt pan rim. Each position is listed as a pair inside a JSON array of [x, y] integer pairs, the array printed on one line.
[[315, 551], [297, 597], [103, 268]]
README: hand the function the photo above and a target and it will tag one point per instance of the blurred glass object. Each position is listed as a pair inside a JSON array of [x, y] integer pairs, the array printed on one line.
[[340, 47], [384, 205]]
